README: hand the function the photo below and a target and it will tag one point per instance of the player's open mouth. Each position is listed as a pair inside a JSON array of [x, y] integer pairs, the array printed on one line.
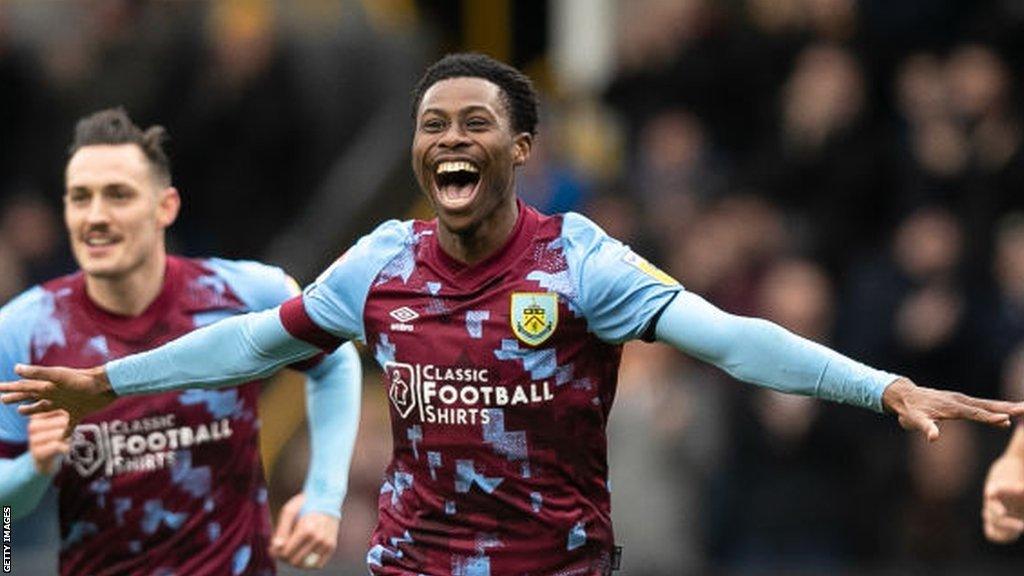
[[456, 183]]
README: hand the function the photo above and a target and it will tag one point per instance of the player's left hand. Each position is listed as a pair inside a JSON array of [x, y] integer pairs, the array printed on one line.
[[919, 408], [304, 540]]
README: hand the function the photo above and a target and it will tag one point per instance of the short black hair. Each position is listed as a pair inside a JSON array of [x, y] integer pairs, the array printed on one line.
[[520, 97], [113, 126]]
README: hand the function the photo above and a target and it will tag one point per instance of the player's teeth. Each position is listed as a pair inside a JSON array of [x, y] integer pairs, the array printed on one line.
[[460, 166]]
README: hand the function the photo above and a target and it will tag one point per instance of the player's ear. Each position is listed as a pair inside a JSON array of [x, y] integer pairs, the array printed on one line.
[[168, 206], [522, 144]]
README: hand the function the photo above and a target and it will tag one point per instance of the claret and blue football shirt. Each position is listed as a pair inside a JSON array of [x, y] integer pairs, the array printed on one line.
[[500, 377], [164, 484]]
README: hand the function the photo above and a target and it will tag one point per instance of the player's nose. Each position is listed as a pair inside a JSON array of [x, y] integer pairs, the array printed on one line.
[[453, 137]]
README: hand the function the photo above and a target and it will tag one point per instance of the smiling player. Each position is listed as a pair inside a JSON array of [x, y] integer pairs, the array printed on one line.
[[170, 483], [499, 330]]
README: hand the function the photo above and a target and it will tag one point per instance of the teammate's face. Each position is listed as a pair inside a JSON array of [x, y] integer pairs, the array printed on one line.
[[464, 152], [115, 208]]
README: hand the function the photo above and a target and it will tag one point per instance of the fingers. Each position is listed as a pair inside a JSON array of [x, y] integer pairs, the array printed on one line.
[[1002, 407], [15, 397], [48, 373], [299, 548], [1005, 492], [954, 405], [1000, 527], [55, 420], [313, 542], [920, 422], [994, 412], [46, 440], [285, 525], [1003, 529], [34, 385], [37, 407], [49, 434]]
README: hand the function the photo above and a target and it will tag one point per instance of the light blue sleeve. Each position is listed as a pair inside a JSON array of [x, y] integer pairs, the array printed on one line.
[[617, 291], [333, 394], [21, 486], [759, 352], [335, 301], [258, 285], [229, 352]]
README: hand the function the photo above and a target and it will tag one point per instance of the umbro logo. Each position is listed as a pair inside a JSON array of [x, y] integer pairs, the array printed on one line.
[[404, 315]]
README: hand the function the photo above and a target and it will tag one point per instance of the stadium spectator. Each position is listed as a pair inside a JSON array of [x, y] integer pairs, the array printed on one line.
[[509, 473], [173, 482]]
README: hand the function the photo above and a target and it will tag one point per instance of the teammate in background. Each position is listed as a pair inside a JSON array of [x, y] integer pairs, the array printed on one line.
[[499, 330], [1002, 510], [169, 483]]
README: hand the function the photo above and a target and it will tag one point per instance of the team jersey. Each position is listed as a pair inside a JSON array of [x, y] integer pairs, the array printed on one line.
[[157, 485], [500, 377]]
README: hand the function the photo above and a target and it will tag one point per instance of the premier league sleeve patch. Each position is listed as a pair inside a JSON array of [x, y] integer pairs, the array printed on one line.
[[634, 260], [534, 316]]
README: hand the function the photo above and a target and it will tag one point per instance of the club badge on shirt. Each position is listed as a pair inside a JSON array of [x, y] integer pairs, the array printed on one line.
[[534, 316]]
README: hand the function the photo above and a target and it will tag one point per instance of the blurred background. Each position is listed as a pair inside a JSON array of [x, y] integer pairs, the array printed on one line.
[[849, 169]]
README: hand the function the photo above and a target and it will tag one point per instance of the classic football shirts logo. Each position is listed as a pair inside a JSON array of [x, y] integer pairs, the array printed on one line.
[[140, 445], [453, 394]]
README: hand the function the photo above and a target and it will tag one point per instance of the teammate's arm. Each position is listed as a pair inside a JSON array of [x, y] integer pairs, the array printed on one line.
[[307, 528], [24, 478], [1002, 510], [22, 485]]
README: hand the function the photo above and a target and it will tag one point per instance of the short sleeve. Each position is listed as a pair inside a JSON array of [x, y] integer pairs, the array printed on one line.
[[619, 292], [258, 285]]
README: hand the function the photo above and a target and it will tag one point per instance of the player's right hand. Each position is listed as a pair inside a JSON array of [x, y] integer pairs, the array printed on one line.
[[79, 391], [46, 441], [1002, 511]]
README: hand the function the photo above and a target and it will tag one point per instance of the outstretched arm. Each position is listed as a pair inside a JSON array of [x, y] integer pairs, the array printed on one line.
[[1002, 510], [307, 528], [228, 352], [763, 353]]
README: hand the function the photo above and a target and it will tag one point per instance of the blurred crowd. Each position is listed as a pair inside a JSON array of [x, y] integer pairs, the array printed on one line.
[[848, 169], [855, 176]]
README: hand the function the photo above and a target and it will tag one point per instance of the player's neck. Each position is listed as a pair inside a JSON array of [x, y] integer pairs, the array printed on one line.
[[484, 239], [129, 294]]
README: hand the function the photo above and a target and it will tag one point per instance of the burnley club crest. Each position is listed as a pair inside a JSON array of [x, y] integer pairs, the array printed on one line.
[[534, 316]]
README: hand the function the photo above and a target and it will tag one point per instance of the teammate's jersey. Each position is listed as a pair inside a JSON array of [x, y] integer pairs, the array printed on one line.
[[163, 484], [500, 377]]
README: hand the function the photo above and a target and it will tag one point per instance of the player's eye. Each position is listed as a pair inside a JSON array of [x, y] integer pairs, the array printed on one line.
[[433, 125], [78, 198], [118, 194], [477, 123]]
